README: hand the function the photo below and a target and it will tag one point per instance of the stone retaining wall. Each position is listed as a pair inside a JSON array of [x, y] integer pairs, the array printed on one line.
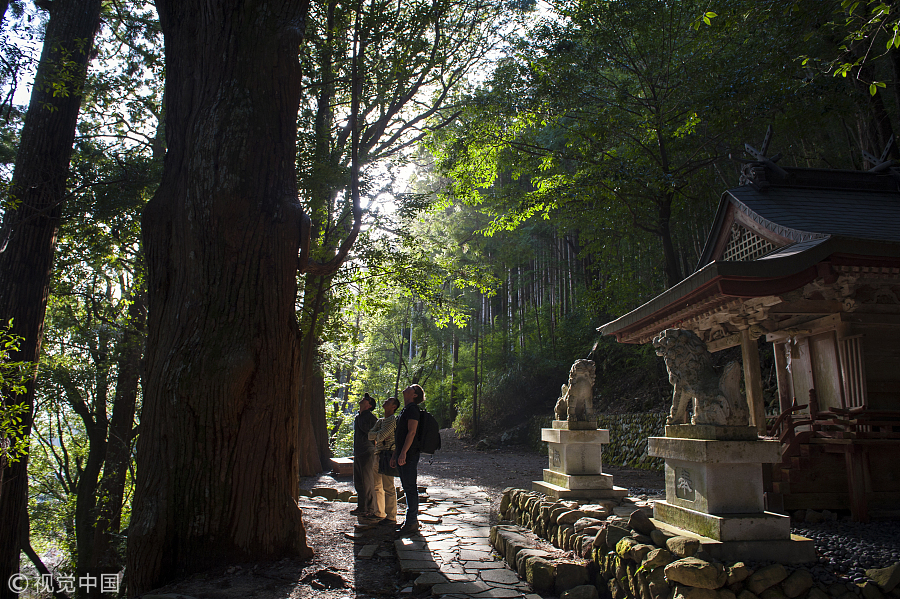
[[628, 434], [631, 559]]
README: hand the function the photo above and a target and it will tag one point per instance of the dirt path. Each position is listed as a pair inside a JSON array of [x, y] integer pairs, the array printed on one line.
[[338, 570], [458, 463], [513, 466]]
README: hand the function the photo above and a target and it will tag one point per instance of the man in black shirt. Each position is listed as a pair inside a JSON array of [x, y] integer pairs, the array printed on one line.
[[364, 458], [406, 455]]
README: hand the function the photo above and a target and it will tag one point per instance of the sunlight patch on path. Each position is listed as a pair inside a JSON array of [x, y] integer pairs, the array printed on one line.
[[452, 554]]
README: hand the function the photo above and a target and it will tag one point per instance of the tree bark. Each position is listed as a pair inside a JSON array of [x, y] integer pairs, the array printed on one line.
[[28, 232], [217, 458]]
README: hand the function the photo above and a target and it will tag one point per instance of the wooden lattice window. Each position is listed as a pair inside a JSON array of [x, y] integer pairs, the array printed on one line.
[[745, 245]]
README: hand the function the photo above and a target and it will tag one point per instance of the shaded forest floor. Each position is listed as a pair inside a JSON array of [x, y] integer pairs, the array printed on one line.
[[336, 571]]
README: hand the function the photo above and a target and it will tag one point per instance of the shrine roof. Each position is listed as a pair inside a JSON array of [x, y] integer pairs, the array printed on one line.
[[811, 203], [850, 213], [845, 217]]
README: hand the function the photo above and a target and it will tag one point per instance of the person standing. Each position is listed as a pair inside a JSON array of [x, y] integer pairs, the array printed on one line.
[[406, 455], [363, 458], [383, 435]]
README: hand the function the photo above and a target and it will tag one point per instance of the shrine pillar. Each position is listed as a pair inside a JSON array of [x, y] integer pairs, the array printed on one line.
[[753, 381]]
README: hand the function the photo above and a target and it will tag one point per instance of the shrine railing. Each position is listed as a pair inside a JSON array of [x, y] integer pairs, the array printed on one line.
[[835, 423]]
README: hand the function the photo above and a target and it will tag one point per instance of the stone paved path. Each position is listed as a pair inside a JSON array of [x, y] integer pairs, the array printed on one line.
[[452, 555]]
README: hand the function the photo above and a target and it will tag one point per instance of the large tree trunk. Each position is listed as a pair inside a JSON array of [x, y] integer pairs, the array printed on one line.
[[217, 457], [28, 233]]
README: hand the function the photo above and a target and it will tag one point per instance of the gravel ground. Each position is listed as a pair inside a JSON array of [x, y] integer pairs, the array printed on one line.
[[847, 549]]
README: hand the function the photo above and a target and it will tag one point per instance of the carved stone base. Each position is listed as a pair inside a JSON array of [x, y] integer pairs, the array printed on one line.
[[575, 425], [792, 550], [715, 476], [712, 431], [578, 481], [575, 451], [756, 526], [575, 468], [716, 451], [552, 490]]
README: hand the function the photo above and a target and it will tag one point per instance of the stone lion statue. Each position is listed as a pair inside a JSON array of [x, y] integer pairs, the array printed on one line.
[[716, 398], [576, 398]]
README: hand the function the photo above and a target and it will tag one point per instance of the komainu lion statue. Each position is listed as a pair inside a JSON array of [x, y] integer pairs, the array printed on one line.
[[576, 400], [716, 399]]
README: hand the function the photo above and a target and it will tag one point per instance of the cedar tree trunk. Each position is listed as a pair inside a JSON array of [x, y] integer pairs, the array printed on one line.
[[28, 232], [217, 454]]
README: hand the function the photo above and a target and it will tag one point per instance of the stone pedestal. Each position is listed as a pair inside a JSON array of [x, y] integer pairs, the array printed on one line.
[[714, 491], [575, 468]]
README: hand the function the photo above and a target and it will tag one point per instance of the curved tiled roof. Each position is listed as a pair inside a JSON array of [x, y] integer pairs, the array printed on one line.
[[809, 204], [863, 214]]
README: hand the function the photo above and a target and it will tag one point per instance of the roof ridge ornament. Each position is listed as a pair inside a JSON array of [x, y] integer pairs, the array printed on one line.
[[883, 162], [753, 172]]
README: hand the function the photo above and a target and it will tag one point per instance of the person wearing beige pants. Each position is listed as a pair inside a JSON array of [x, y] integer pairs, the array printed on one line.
[[383, 435]]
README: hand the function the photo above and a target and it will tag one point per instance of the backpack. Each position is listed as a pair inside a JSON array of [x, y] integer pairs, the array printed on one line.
[[428, 437]]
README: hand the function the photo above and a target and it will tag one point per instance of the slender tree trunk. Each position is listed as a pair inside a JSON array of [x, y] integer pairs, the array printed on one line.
[[111, 492], [321, 452], [412, 353], [548, 300], [537, 312], [217, 458], [520, 307], [454, 361], [475, 385], [313, 434], [28, 232], [664, 213], [507, 315], [95, 424]]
